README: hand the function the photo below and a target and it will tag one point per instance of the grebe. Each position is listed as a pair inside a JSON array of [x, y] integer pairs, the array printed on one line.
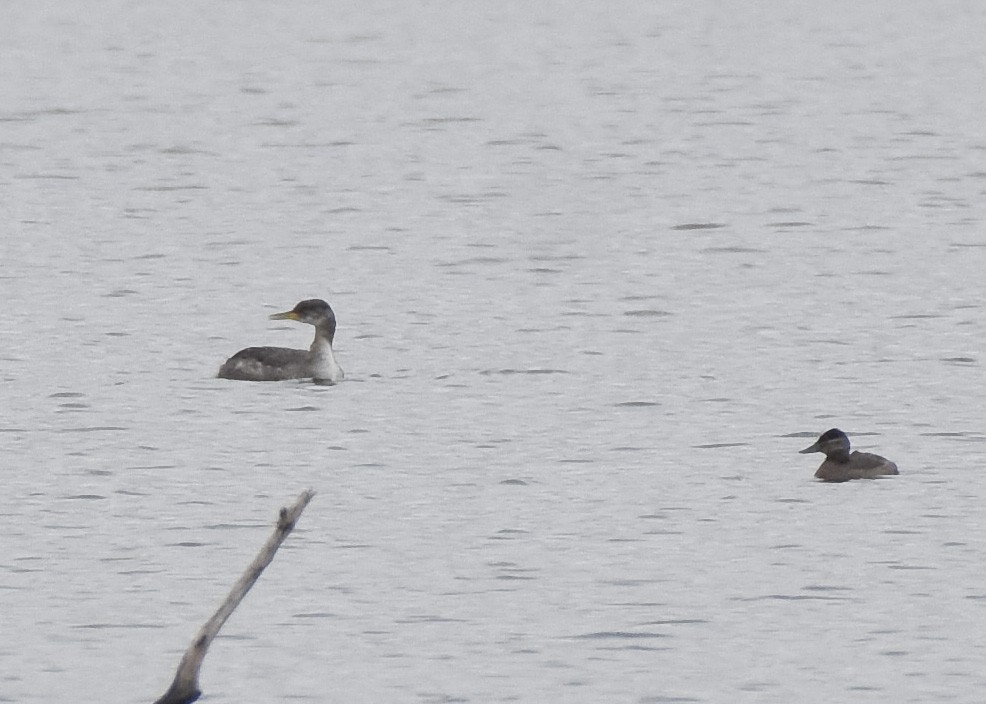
[[278, 363], [841, 466]]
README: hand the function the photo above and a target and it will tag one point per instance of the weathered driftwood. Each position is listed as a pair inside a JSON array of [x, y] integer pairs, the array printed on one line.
[[185, 687]]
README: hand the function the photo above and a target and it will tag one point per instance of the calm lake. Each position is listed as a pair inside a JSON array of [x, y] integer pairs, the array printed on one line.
[[600, 271]]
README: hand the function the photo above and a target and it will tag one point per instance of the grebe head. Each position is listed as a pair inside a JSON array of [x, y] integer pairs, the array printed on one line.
[[831, 442], [314, 311]]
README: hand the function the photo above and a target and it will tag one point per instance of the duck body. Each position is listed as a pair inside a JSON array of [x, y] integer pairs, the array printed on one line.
[[280, 363], [841, 465]]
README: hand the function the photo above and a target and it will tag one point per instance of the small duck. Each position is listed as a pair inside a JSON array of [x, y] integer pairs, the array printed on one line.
[[841, 466]]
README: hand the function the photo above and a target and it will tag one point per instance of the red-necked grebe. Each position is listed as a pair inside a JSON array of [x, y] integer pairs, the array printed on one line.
[[278, 363], [841, 466]]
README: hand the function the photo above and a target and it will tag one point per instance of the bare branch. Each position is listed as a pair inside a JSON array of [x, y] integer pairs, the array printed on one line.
[[185, 687]]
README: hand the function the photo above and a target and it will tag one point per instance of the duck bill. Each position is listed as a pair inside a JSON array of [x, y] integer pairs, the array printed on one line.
[[809, 450], [286, 315]]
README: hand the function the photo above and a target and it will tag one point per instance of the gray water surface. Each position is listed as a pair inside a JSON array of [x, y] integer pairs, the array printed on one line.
[[600, 271]]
